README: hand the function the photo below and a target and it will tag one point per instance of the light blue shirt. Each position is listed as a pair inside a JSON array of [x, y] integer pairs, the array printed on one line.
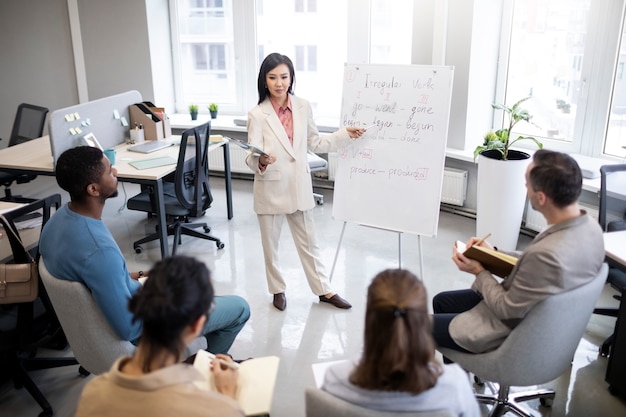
[[452, 392], [80, 248]]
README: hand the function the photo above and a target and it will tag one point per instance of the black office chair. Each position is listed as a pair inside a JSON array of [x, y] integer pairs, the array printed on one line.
[[23, 331], [186, 195], [611, 174], [29, 124]]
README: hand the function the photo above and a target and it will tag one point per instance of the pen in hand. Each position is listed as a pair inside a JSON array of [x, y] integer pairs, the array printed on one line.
[[231, 365], [483, 239]]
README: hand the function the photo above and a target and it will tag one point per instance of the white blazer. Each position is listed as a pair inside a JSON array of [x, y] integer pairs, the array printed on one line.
[[285, 186]]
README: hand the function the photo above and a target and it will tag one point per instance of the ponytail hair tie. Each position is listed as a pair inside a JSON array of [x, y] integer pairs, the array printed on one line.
[[399, 312]]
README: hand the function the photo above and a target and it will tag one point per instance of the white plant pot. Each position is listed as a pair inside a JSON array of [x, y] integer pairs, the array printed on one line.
[[500, 198]]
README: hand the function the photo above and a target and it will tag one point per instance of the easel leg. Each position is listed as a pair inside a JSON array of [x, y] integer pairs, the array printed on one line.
[[399, 250], [419, 246], [332, 270]]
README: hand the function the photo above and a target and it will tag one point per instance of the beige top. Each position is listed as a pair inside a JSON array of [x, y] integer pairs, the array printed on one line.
[[164, 393]]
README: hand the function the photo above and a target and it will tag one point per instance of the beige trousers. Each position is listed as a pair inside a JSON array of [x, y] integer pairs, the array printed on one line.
[[302, 227]]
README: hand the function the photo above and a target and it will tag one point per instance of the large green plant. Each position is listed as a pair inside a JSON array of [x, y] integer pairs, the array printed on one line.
[[500, 140]]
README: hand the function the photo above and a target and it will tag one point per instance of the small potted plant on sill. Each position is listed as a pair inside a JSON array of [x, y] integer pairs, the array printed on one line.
[[193, 111], [213, 110], [501, 191]]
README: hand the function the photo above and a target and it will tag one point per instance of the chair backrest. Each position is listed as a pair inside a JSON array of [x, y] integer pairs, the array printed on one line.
[[94, 343], [191, 179], [29, 123], [611, 177], [322, 404], [542, 346]]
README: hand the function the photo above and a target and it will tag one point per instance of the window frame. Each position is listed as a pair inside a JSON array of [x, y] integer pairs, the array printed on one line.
[[598, 71]]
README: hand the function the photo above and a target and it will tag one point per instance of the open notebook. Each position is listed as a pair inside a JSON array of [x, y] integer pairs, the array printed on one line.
[[255, 388]]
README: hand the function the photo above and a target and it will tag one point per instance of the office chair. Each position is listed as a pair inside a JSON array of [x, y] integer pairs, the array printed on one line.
[[29, 124], [19, 343], [94, 343], [188, 196], [319, 403], [316, 163], [538, 350], [611, 174]]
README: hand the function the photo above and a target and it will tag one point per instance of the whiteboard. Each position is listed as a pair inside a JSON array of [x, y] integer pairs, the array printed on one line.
[[391, 177]]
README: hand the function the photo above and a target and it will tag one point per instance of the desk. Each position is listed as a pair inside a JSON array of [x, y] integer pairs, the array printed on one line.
[[615, 248], [35, 156]]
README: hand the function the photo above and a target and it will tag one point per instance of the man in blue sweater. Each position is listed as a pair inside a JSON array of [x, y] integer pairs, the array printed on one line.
[[76, 245]]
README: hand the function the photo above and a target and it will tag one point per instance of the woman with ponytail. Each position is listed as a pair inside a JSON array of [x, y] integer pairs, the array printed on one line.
[[398, 370], [172, 305]]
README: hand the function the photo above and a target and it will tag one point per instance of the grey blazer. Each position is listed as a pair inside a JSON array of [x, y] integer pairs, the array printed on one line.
[[285, 186], [562, 257]]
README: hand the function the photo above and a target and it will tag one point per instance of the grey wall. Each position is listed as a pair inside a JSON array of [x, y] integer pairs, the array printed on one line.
[[36, 58], [116, 47]]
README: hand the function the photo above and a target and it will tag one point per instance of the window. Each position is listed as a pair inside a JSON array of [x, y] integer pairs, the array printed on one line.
[[217, 56], [578, 95], [303, 6], [306, 58]]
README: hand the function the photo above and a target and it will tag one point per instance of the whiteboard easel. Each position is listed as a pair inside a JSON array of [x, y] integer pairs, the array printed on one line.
[[419, 244], [391, 178]]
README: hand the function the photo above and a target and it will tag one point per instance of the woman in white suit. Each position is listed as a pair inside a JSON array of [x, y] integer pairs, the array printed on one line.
[[282, 125]]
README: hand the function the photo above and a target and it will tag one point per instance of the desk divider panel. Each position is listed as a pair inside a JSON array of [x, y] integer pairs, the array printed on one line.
[[106, 118]]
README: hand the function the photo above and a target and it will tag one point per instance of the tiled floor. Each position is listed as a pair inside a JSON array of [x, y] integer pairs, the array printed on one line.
[[308, 332]]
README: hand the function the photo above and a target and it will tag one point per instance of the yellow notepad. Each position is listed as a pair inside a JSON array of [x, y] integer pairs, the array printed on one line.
[[153, 162]]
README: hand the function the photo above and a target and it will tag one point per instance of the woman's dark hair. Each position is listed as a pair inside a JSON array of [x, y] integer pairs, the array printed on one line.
[[399, 351], [269, 63], [175, 295], [557, 175], [78, 167]]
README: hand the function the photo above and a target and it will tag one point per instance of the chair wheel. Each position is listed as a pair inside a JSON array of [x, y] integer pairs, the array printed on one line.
[[220, 245], [207, 229], [83, 372], [546, 402], [138, 249], [478, 381]]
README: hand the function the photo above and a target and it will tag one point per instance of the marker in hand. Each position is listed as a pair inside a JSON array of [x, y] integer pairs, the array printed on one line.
[[369, 127]]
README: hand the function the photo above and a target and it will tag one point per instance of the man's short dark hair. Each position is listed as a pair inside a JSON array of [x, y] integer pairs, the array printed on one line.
[[557, 175], [77, 168]]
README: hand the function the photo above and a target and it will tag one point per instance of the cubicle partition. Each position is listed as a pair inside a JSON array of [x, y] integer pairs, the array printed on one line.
[[107, 119]]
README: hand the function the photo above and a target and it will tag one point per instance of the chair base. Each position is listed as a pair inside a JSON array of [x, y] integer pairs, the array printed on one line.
[[319, 199], [505, 401], [178, 229], [20, 368]]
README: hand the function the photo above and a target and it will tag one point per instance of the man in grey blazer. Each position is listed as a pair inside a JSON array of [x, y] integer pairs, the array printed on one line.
[[566, 255]]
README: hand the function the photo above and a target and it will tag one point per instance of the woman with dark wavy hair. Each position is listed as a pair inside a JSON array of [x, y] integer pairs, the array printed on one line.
[[173, 306], [398, 370]]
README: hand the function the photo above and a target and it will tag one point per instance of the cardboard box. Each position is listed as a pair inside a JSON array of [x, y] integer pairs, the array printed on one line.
[[154, 127]]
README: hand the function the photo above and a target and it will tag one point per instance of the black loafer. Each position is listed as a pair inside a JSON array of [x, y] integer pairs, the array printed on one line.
[[280, 302], [336, 300]]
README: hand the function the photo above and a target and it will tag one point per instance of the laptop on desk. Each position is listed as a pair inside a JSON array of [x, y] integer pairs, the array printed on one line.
[[150, 146]]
